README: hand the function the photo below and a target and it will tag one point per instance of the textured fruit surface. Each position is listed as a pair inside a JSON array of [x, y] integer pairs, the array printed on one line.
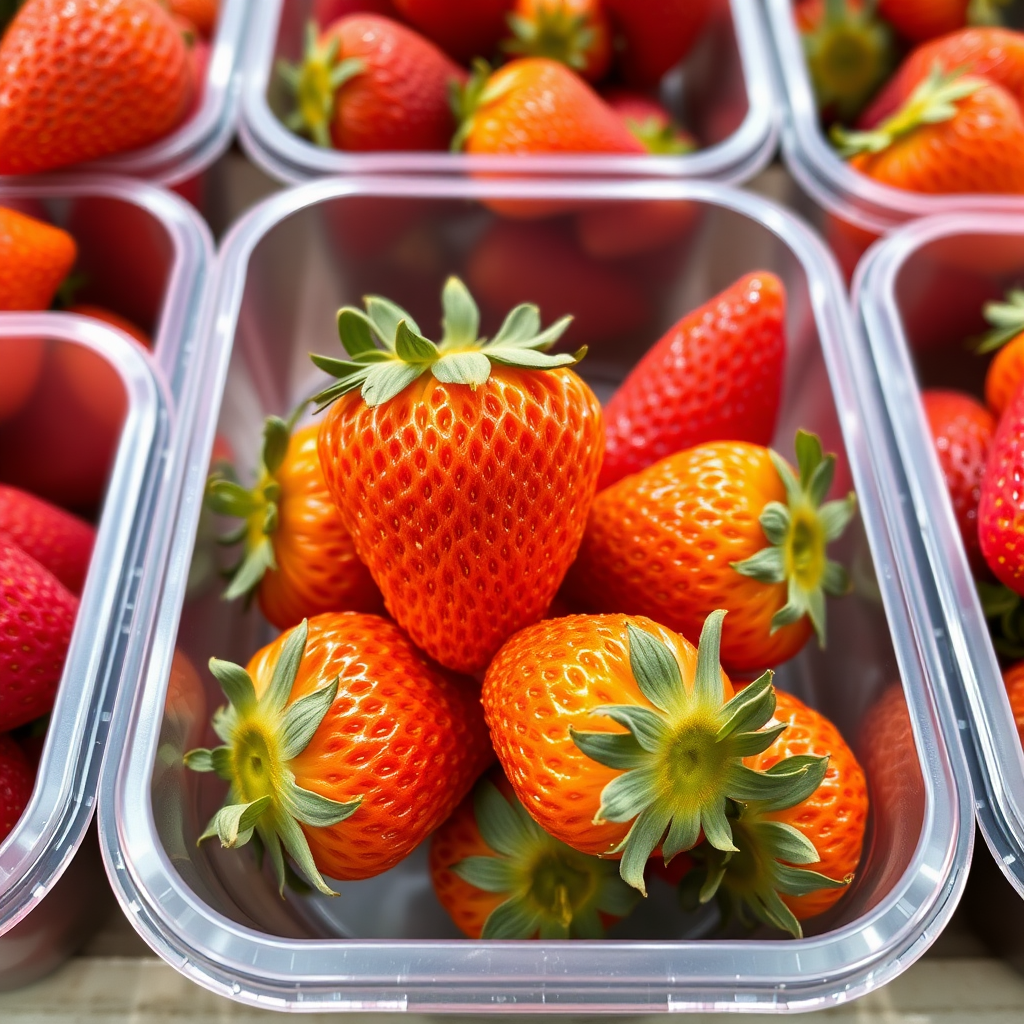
[[405, 736], [1001, 508], [462, 28], [716, 375], [962, 430], [918, 20], [1005, 375], [37, 615], [57, 540], [549, 679], [834, 817], [35, 257], [1013, 680], [575, 32], [87, 79], [16, 781]]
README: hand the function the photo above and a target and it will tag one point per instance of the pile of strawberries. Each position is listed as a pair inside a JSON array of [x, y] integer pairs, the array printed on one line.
[[419, 75], [470, 560], [93, 78]]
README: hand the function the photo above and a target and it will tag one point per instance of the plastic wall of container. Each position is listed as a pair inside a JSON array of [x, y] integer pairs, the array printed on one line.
[[36, 933], [204, 136], [919, 295], [385, 944], [849, 195], [723, 92]]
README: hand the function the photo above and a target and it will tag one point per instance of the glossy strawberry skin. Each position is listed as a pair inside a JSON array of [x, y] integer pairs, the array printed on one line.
[[16, 781], [35, 257], [1001, 508], [1005, 375], [918, 20], [37, 615], [962, 430], [467, 506], [402, 734], [716, 375], [462, 28], [84, 80], [57, 540]]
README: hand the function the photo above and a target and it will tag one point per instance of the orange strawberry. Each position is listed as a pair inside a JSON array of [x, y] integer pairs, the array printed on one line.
[[536, 105], [368, 83], [299, 558], [1013, 680], [1006, 339], [918, 20], [575, 32], [342, 743], [722, 525], [462, 28], [956, 133], [619, 736], [35, 257], [87, 79], [465, 489], [501, 876]]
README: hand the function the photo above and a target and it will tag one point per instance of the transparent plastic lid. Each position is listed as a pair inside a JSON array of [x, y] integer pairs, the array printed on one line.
[[726, 89]]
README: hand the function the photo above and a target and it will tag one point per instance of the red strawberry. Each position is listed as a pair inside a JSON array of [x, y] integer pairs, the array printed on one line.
[[462, 28], [1001, 508], [327, 11], [368, 83], [16, 782], [57, 540], [918, 20], [962, 430], [651, 123], [37, 615], [714, 376]]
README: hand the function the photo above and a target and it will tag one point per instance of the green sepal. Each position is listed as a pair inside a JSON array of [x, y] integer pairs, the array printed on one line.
[[1004, 611], [661, 136], [466, 100], [554, 32], [233, 824], [217, 760], [1006, 320]]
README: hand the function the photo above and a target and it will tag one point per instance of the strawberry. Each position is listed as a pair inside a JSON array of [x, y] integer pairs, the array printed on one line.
[[368, 83], [650, 123], [35, 258], [618, 736], [1001, 508], [536, 105], [955, 133], [1013, 680], [342, 743], [60, 542], [462, 28], [112, 319], [200, 13], [918, 20], [299, 558], [327, 11], [722, 525], [715, 375], [37, 615], [619, 230], [465, 489], [962, 430], [1006, 339], [575, 32], [16, 782], [88, 79], [501, 876]]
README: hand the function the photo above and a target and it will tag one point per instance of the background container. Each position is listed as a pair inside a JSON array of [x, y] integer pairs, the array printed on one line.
[[723, 92], [385, 944], [920, 295]]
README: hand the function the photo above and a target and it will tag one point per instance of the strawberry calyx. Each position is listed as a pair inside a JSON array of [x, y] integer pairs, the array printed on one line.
[[798, 535], [1004, 610], [314, 83], [985, 12], [554, 32], [461, 357], [1006, 319], [552, 890], [770, 862], [260, 738], [661, 136], [257, 507], [466, 99], [682, 758], [933, 101]]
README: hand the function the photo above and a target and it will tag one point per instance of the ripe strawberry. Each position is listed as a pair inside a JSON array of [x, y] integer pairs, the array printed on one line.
[[651, 123], [996, 54], [465, 489], [619, 230], [1001, 508], [35, 257], [1013, 680], [575, 32], [501, 876], [327, 11], [535, 105], [618, 736], [344, 744], [655, 35], [918, 20], [962, 430], [200, 13], [955, 134], [715, 375], [368, 83], [298, 556], [16, 781], [60, 542], [84, 80], [462, 28], [37, 615], [1006, 339], [722, 525]]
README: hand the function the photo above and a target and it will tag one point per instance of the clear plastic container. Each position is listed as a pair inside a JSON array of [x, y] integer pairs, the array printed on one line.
[[723, 92], [920, 294], [386, 944], [37, 932], [195, 144], [851, 196]]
